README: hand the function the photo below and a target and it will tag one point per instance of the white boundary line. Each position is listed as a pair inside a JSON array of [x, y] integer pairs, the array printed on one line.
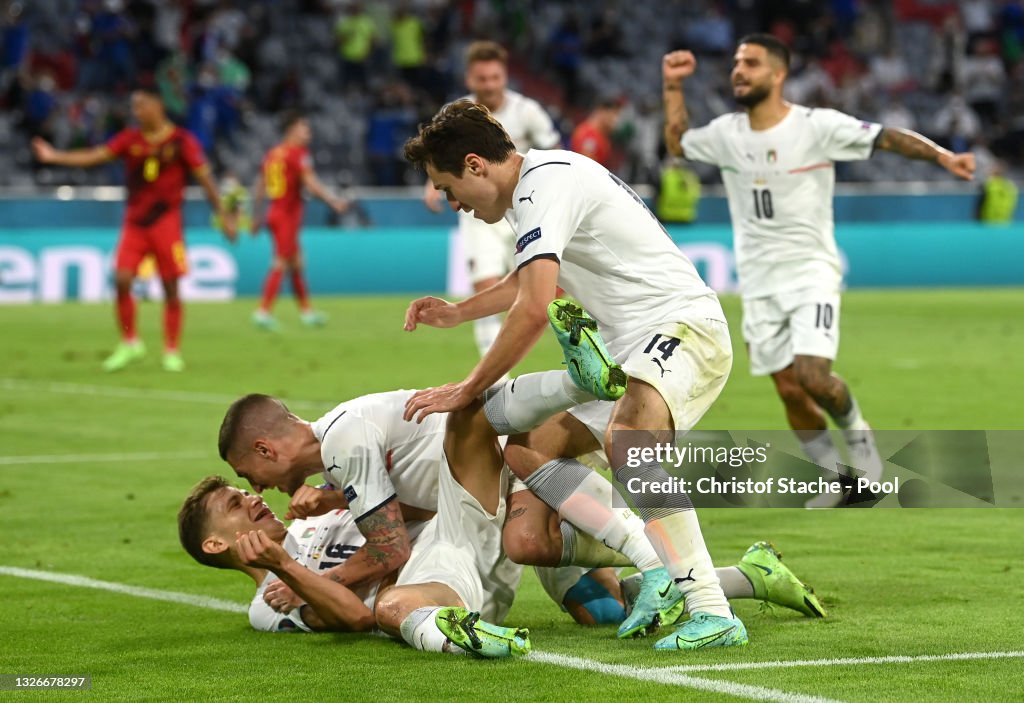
[[853, 661], [18, 384], [671, 678], [137, 591], [96, 458]]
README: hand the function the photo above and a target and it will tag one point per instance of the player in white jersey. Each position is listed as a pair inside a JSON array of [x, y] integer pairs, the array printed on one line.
[[581, 228], [386, 467], [488, 247], [776, 160]]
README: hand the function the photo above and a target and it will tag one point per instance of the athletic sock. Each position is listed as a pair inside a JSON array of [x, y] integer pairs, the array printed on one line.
[[823, 452], [299, 288], [584, 498], [485, 331], [852, 420], [581, 549], [527, 401], [126, 316], [734, 583], [270, 288], [419, 630], [671, 526], [173, 311]]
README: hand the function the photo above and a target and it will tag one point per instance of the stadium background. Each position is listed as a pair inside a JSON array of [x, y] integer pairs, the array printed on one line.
[[943, 356]]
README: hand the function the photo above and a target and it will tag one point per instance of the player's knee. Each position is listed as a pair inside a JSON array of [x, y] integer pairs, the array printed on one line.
[[392, 607], [792, 393], [530, 547], [814, 381]]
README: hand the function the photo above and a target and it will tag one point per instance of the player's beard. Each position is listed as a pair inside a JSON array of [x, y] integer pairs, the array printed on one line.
[[754, 96]]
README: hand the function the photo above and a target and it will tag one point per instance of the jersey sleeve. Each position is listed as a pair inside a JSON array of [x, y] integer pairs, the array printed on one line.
[[354, 462], [265, 619], [118, 144], [702, 143], [192, 152], [548, 207], [844, 137], [543, 134]]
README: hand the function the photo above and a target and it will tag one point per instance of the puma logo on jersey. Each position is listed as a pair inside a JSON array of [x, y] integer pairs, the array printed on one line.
[[663, 369], [529, 197]]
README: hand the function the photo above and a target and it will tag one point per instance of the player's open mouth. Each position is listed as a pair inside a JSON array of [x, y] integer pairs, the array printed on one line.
[[263, 512]]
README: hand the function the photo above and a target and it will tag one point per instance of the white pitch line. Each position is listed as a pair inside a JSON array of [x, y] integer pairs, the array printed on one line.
[[853, 661], [97, 458], [671, 678], [17, 384], [137, 591]]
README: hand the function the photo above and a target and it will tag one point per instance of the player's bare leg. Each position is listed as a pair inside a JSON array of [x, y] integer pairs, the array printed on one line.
[[131, 347], [262, 318], [828, 391], [670, 521], [173, 312]]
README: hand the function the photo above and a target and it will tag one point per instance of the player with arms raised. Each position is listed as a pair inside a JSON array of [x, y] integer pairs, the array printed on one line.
[[776, 160], [158, 157], [488, 247], [287, 170]]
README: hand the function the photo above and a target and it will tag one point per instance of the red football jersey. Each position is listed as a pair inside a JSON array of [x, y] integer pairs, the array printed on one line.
[[590, 141], [157, 172], [282, 177]]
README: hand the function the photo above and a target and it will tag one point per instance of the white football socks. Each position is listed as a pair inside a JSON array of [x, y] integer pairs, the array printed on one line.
[[419, 630], [823, 452], [677, 539], [526, 401]]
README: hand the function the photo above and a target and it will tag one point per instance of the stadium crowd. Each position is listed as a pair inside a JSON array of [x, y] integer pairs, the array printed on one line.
[[368, 72]]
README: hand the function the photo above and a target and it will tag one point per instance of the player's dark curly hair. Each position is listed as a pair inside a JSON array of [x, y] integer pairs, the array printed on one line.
[[461, 127], [193, 521]]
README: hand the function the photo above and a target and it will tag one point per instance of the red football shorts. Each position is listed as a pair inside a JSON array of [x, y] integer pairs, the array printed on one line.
[[284, 229], [163, 239]]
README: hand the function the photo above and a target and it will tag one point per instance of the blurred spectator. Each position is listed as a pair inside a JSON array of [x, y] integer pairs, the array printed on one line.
[[408, 51], [712, 33], [998, 200], [982, 77], [40, 103], [897, 116], [891, 73], [172, 80], [593, 136], [956, 124], [566, 54], [678, 193], [356, 34], [392, 121], [605, 37]]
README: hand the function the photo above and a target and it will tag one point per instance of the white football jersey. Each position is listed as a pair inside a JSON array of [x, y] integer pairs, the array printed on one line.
[[318, 543], [615, 257], [373, 455], [526, 122], [780, 182]]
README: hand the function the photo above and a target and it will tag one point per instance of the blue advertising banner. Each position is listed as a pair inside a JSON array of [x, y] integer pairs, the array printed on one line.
[[53, 265]]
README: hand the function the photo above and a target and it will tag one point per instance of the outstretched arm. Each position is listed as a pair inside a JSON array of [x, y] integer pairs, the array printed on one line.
[[915, 146], [675, 68], [77, 158]]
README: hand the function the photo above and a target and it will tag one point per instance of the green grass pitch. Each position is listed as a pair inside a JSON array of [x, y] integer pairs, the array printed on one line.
[[897, 582]]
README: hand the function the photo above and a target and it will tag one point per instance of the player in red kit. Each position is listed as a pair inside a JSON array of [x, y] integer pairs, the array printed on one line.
[[593, 136], [287, 171], [158, 157]]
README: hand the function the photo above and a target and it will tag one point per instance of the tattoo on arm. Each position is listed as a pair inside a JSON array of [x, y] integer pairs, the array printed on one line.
[[386, 537], [518, 512], [909, 144]]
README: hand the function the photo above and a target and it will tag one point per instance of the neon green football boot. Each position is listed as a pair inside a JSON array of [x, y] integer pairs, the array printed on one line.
[[775, 583], [173, 361], [704, 630], [314, 318], [482, 639], [658, 603], [590, 365], [126, 353]]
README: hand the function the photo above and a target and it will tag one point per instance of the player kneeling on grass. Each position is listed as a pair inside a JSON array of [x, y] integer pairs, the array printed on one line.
[[225, 527]]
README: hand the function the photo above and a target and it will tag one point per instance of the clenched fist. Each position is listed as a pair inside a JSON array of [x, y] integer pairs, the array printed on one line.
[[678, 65]]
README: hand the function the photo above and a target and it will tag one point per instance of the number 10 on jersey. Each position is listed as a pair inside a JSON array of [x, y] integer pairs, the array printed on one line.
[[763, 204]]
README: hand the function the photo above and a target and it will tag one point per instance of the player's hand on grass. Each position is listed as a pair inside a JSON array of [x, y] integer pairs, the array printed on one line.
[[960, 165], [442, 399], [43, 151], [255, 548], [678, 65], [281, 598], [308, 501], [435, 312]]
